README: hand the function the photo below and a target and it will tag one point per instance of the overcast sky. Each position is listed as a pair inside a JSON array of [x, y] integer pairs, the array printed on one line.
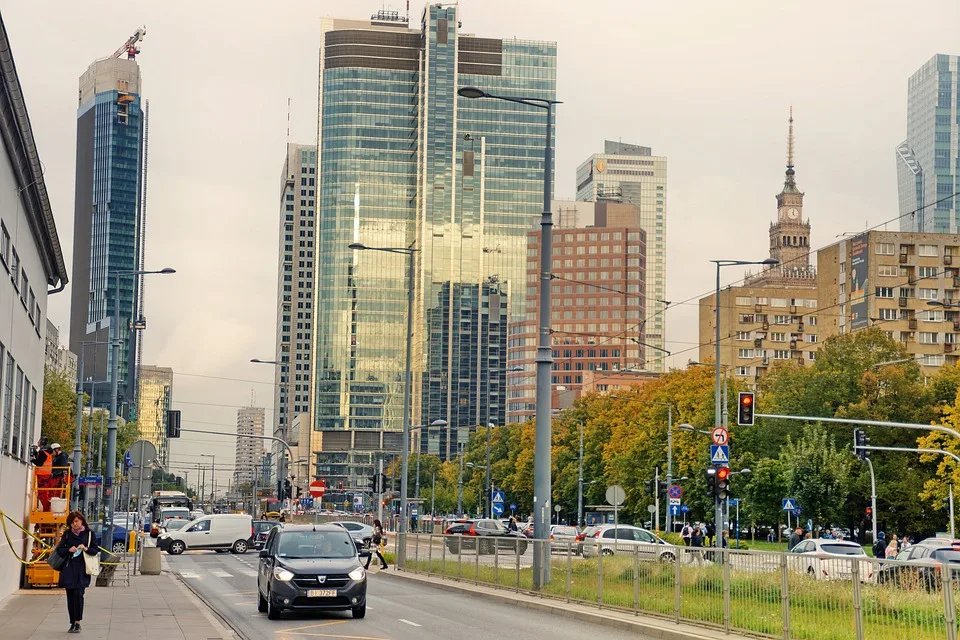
[[708, 84]]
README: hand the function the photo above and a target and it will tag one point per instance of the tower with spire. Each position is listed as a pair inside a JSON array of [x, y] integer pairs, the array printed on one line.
[[790, 233]]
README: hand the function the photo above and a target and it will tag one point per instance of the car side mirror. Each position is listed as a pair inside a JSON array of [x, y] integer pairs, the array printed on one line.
[[364, 553], [264, 553]]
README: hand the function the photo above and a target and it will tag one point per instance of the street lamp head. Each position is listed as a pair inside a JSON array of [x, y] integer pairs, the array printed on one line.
[[439, 423], [357, 246], [935, 303], [770, 262], [686, 427], [256, 360], [167, 270], [745, 471], [471, 92]]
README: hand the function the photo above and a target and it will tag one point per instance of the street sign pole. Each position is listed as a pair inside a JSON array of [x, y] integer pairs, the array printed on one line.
[[656, 492]]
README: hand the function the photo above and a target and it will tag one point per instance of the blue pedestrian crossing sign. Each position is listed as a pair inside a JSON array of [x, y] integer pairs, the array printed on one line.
[[789, 504], [719, 454], [496, 500], [675, 509]]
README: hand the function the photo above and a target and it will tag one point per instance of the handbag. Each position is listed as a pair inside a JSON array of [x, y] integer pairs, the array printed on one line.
[[92, 562], [56, 561]]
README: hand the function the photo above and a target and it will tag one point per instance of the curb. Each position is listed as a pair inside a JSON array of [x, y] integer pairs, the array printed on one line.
[[226, 629], [649, 626]]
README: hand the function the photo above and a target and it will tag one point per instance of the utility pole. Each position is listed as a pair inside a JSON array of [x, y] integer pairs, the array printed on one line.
[[580, 482], [460, 484], [380, 495], [656, 499]]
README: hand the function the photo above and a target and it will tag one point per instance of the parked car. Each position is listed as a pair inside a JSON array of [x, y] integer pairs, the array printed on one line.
[[261, 529], [120, 536], [311, 568], [829, 560], [564, 537], [583, 535], [358, 530], [525, 529], [920, 565], [609, 539], [220, 532], [489, 536]]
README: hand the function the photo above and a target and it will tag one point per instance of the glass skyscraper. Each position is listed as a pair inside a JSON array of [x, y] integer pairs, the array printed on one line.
[[405, 162], [107, 221], [928, 161]]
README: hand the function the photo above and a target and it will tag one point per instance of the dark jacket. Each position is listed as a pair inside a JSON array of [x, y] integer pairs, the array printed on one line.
[[74, 574], [794, 540], [60, 460]]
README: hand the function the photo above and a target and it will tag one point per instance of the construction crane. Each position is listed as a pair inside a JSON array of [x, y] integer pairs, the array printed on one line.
[[130, 46]]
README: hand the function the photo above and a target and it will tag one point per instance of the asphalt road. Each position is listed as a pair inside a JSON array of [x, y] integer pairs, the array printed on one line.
[[396, 609]]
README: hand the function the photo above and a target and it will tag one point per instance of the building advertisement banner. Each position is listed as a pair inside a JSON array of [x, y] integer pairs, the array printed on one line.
[[859, 265]]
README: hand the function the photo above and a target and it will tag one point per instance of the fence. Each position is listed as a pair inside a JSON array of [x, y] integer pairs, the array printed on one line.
[[777, 595]]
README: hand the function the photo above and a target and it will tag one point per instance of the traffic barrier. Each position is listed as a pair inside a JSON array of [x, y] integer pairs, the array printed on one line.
[[767, 594]]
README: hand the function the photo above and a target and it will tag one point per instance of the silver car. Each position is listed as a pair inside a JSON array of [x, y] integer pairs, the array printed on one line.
[[611, 539], [830, 560], [357, 530]]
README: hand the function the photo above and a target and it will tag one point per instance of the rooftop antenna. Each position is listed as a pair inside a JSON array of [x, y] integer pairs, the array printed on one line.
[[790, 141], [289, 101]]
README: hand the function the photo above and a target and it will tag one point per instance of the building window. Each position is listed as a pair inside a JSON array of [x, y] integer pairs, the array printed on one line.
[[929, 337], [887, 270], [744, 301], [7, 404], [885, 249], [743, 371], [745, 353], [812, 338], [781, 354], [4, 245], [932, 359], [888, 314], [927, 294], [884, 292], [928, 272], [812, 321], [778, 337], [744, 335], [781, 319], [15, 268], [927, 250]]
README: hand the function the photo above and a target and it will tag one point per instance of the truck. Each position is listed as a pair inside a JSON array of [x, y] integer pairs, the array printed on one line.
[[165, 499]]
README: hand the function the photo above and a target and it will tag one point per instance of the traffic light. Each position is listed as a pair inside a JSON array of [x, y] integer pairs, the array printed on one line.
[[652, 487], [869, 512], [723, 482], [861, 440], [375, 483], [662, 487], [711, 482], [745, 409], [340, 486], [173, 423]]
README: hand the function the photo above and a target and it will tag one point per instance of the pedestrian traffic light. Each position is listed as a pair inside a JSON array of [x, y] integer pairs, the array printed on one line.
[[860, 441], [869, 512], [173, 423], [287, 489], [745, 409], [711, 482], [723, 482], [340, 486]]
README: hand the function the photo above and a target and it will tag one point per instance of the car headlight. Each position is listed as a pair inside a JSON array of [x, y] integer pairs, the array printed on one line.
[[357, 574], [282, 574]]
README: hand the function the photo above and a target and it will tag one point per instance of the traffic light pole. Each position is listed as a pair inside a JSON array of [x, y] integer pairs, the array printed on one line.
[[873, 498]]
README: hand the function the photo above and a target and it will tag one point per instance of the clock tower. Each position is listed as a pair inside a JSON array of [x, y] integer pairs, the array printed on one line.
[[790, 235]]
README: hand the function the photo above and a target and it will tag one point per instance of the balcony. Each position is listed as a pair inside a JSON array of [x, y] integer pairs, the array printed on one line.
[[902, 302], [912, 323], [948, 347], [948, 259], [903, 258]]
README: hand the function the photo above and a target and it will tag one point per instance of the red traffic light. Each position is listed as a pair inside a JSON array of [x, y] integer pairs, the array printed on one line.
[[723, 473], [869, 511], [746, 400]]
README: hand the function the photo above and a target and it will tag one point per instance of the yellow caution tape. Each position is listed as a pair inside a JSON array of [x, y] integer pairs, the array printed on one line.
[[46, 551]]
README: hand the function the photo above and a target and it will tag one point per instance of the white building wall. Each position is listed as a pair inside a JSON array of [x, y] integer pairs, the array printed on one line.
[[22, 339]]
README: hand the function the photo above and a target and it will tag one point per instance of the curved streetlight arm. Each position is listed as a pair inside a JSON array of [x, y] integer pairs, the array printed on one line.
[[955, 457], [869, 423]]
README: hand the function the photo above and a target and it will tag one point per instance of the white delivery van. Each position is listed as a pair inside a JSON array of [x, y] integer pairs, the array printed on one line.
[[221, 532], [174, 512]]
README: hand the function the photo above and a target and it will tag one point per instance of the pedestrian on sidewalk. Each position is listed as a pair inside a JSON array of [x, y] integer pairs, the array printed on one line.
[[76, 540], [686, 534], [375, 542]]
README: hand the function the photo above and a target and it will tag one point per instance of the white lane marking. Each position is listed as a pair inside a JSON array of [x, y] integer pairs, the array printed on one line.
[[412, 624], [249, 574], [189, 574], [220, 574]]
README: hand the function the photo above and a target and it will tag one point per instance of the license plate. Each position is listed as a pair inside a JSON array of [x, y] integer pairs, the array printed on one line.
[[322, 593], [846, 576]]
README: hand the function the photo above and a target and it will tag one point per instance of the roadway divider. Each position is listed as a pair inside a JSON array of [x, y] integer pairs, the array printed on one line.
[[813, 596]]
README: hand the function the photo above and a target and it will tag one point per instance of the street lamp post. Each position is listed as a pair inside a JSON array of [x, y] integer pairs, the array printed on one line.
[[479, 489], [460, 484], [489, 487], [435, 423], [410, 252], [281, 459], [542, 440], [75, 463], [110, 467], [213, 476], [718, 415]]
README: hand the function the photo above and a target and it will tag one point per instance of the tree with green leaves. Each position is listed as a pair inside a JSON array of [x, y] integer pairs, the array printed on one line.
[[817, 473]]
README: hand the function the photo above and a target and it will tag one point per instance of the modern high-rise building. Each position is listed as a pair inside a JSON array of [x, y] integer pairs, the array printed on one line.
[[405, 162], [108, 224], [928, 161], [631, 173], [598, 307], [155, 397], [249, 454], [299, 192]]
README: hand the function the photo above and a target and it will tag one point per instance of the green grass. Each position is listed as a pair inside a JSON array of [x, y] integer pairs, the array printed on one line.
[[818, 610]]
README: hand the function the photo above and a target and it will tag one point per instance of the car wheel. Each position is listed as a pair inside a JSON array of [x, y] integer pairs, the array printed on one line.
[[119, 546], [454, 546], [176, 548], [261, 602], [668, 557], [221, 550], [484, 546], [359, 612], [240, 546], [273, 611], [811, 573], [607, 551]]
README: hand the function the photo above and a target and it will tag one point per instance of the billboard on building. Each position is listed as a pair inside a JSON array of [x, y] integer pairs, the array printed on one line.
[[859, 265]]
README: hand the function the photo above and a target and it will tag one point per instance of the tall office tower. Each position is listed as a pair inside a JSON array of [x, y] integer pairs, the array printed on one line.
[[156, 394], [406, 162], [928, 161], [249, 454], [291, 397], [631, 173], [108, 224]]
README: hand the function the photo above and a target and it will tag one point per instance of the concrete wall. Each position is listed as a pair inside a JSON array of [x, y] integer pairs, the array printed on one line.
[[24, 339]]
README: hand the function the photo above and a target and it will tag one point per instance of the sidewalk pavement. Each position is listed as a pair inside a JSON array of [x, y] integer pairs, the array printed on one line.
[[648, 626], [151, 608]]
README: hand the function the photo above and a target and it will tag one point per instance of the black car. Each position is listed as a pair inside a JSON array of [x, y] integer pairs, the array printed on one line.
[[261, 529], [489, 536], [307, 567]]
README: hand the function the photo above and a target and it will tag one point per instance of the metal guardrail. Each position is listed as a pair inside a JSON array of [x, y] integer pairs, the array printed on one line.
[[768, 594]]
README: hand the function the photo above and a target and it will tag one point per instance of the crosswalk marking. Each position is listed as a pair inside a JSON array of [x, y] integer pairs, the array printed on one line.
[[189, 574], [220, 574], [249, 574], [412, 624]]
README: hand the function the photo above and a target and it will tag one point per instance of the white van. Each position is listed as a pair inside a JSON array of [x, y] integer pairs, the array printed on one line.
[[174, 512], [222, 532]]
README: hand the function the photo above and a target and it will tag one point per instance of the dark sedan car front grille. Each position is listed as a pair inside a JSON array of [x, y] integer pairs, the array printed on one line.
[[334, 581]]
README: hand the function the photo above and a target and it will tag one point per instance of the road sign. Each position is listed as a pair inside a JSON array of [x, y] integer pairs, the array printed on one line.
[[616, 495], [674, 501], [317, 489], [652, 509], [675, 510], [306, 503], [91, 481], [733, 502], [675, 491], [789, 504], [719, 454], [720, 436], [413, 510], [496, 500], [513, 507], [684, 508], [142, 452]]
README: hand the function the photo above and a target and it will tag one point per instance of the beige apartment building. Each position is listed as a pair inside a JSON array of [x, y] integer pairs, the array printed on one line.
[[908, 284]]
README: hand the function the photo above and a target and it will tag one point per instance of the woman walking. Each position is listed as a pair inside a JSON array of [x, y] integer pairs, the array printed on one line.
[[76, 541], [375, 543]]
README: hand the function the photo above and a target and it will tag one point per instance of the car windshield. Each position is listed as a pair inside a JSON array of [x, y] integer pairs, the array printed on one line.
[[174, 524], [843, 549], [316, 544], [947, 555]]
